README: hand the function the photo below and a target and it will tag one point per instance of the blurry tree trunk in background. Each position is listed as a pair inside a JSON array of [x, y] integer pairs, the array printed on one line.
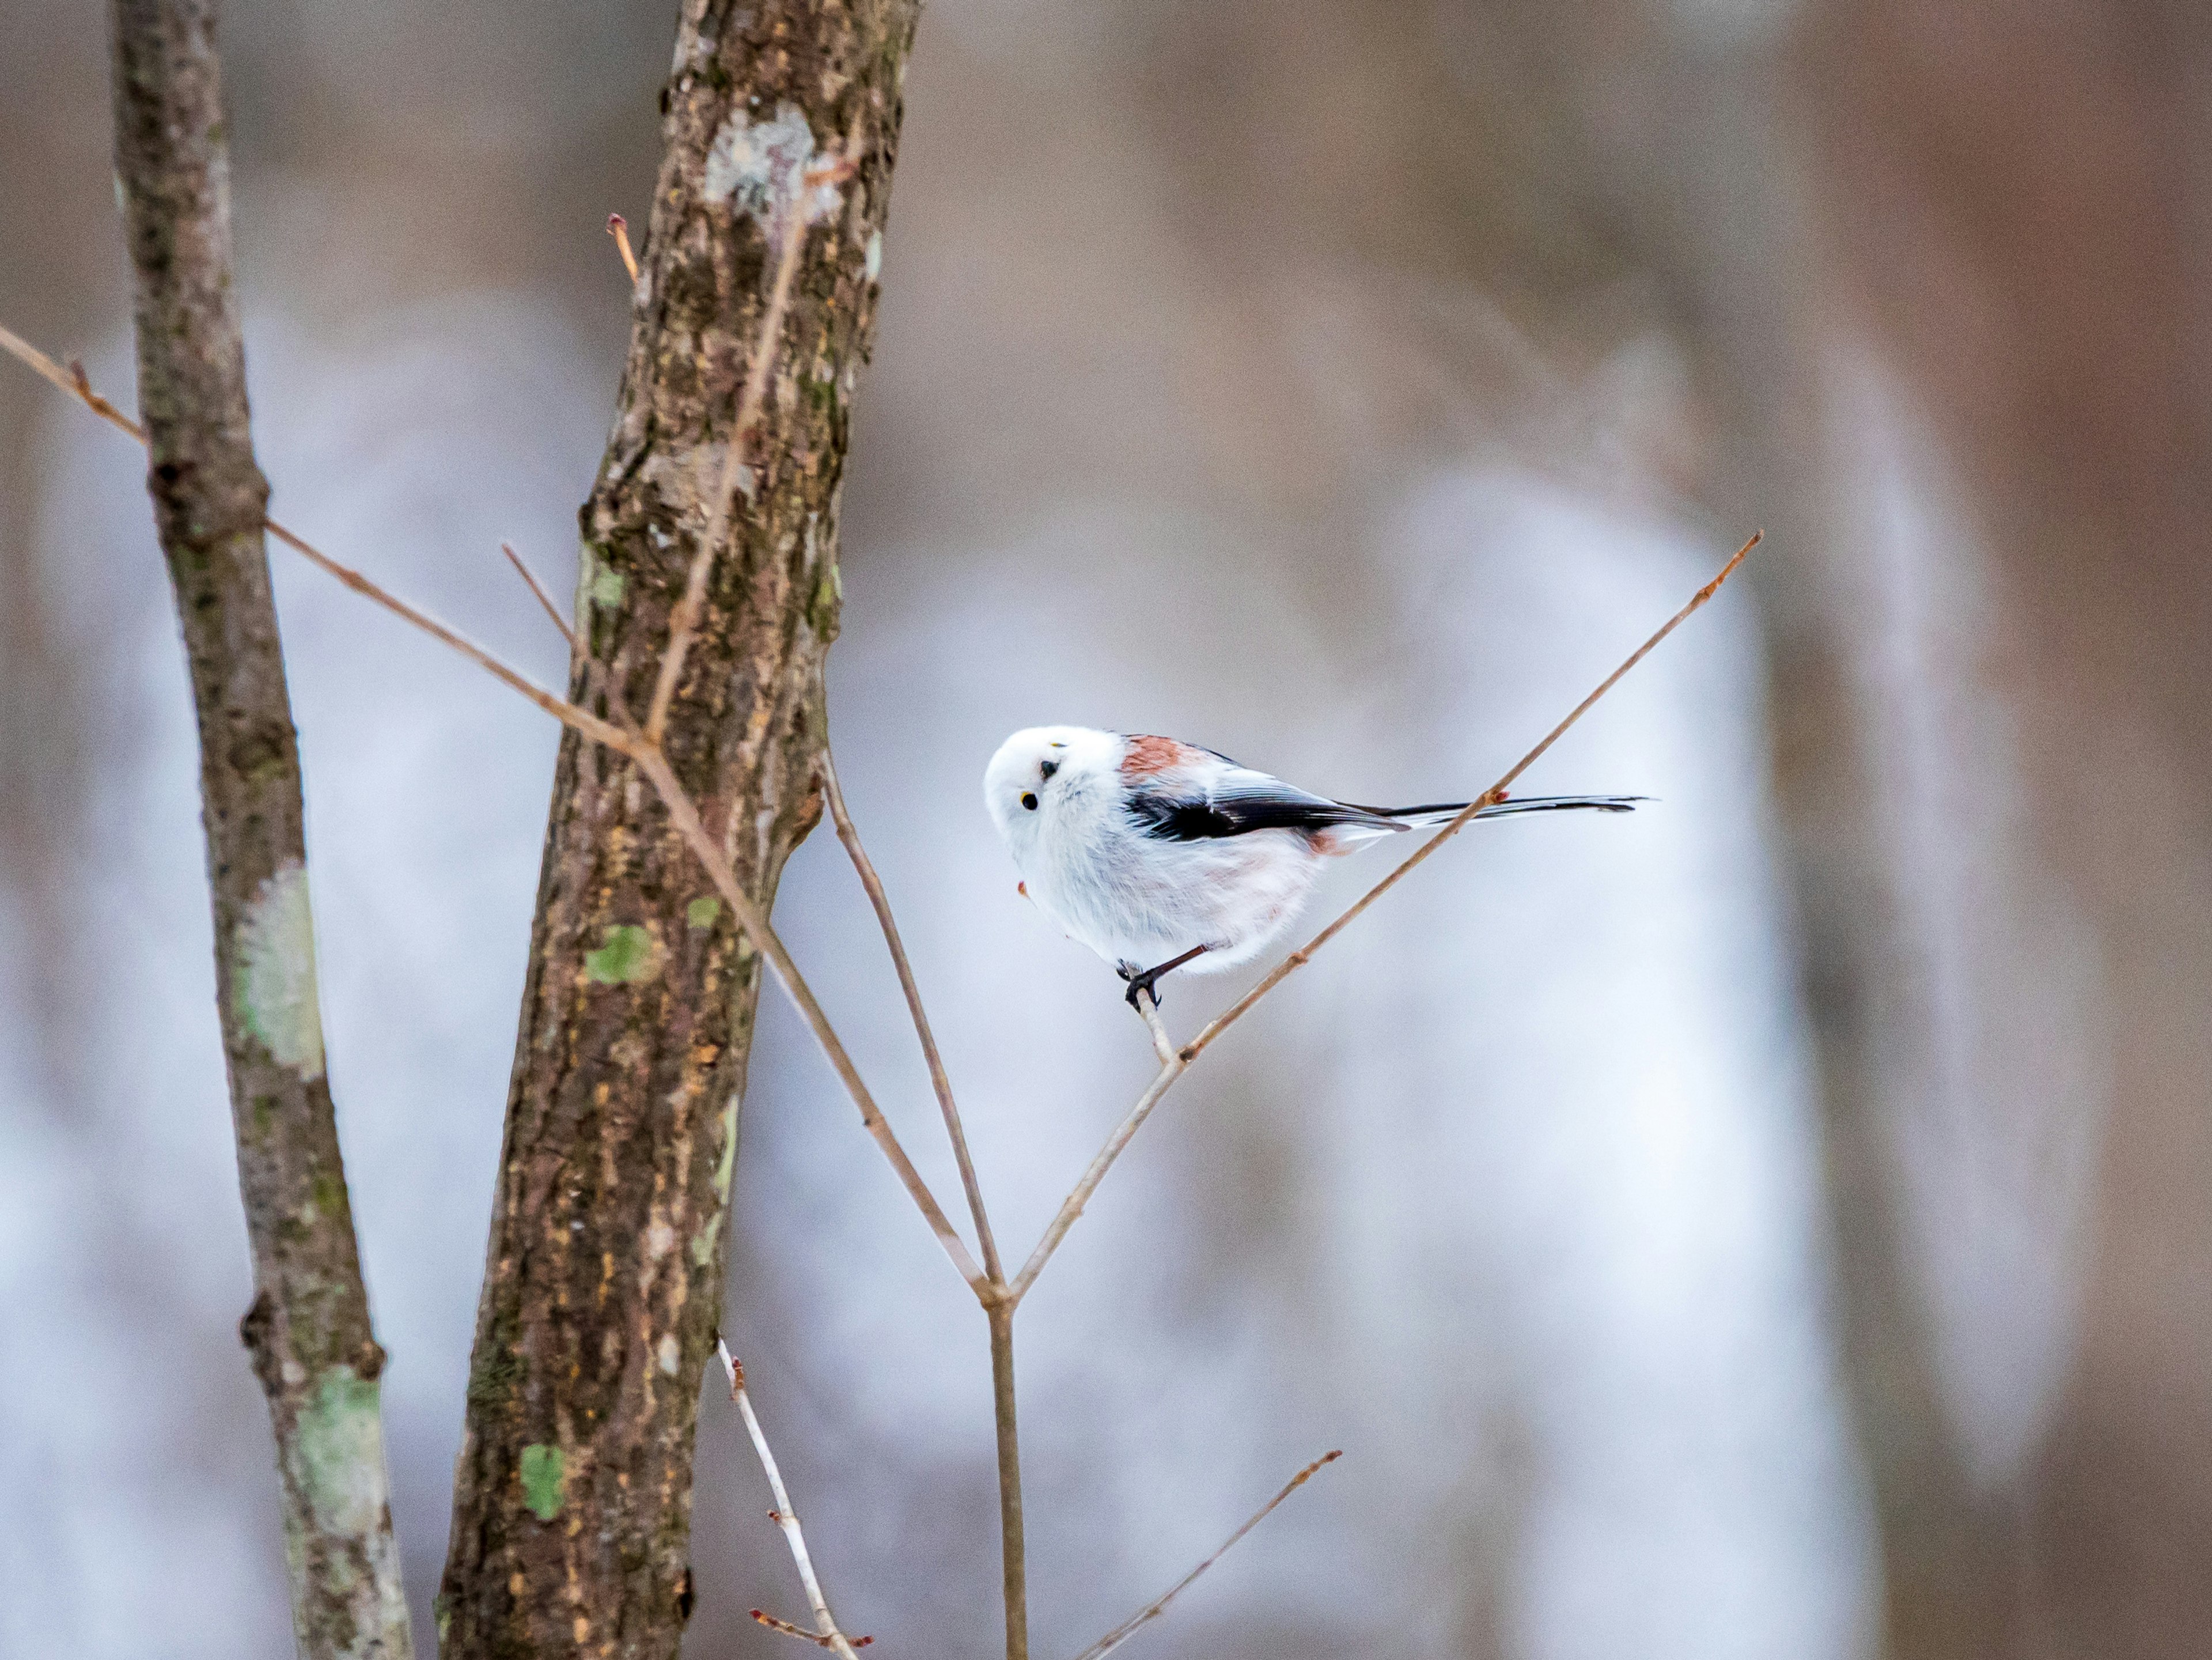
[[2046, 297], [2019, 210], [604, 1280], [1695, 167], [308, 1327]]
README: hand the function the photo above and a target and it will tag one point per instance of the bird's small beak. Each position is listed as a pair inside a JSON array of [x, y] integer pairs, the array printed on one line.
[[1023, 888]]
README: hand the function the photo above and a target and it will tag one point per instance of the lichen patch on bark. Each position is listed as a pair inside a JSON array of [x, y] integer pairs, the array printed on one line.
[[545, 1476], [274, 980], [757, 166], [341, 1441]]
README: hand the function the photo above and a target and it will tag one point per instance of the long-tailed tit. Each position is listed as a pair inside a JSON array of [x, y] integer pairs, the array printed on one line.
[[1152, 851]]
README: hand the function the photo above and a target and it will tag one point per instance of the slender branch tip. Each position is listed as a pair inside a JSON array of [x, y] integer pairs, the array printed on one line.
[[619, 227], [1129, 1628]]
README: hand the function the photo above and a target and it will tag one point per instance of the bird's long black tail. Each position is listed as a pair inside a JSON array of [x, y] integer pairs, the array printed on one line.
[[1436, 813]]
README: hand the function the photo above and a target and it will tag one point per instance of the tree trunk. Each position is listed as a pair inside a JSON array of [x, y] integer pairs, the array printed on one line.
[[308, 1327], [573, 1493], [2043, 292]]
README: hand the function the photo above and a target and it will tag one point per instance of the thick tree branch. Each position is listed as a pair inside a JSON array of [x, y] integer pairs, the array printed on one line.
[[308, 1327], [709, 594]]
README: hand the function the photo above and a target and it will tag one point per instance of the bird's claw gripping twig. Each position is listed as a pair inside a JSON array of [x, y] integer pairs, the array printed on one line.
[[1147, 980]]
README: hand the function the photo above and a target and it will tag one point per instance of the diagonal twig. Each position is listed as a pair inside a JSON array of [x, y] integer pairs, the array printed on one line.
[[938, 1080], [71, 380], [1122, 1633], [1298, 959], [1163, 1045], [826, 1632], [684, 813], [1174, 1066], [544, 598]]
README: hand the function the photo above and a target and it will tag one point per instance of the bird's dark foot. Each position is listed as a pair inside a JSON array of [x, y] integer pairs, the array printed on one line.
[[1145, 984], [1146, 981]]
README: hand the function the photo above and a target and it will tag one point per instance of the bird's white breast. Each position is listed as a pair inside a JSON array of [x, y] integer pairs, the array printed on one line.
[[1142, 899]]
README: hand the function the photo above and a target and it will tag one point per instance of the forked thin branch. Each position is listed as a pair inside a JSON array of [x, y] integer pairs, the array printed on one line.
[[938, 1080], [1174, 1066], [825, 1633], [72, 380], [684, 815], [1122, 1633]]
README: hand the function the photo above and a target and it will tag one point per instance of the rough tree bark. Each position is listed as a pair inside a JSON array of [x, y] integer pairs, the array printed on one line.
[[573, 1490], [308, 1327]]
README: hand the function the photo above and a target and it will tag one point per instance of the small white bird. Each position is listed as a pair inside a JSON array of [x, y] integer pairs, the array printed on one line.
[[1149, 850]]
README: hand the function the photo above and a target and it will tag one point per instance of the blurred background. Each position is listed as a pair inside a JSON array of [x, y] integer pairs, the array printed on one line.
[[1777, 1224]]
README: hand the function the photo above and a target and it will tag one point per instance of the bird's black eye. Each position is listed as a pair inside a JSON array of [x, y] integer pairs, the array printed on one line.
[[1029, 800]]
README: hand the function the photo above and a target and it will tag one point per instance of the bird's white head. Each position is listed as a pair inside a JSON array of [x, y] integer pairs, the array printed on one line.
[[1038, 769]]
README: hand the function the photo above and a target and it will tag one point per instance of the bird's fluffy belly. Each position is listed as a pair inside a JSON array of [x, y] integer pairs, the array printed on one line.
[[1146, 900]]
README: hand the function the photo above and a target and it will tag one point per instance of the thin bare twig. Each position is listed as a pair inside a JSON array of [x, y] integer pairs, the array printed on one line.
[[71, 380], [544, 598], [773, 1623], [683, 620], [938, 1080], [585, 722], [1174, 1068], [826, 1632], [682, 811], [1122, 1633], [800, 1632], [1163, 1045], [560, 708], [619, 227], [1298, 959], [1071, 1207]]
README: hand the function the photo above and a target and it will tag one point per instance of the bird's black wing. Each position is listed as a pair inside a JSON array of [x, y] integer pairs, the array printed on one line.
[[1188, 805]]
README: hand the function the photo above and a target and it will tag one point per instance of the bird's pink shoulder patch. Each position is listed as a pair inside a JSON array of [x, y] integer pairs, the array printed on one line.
[[1147, 756]]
